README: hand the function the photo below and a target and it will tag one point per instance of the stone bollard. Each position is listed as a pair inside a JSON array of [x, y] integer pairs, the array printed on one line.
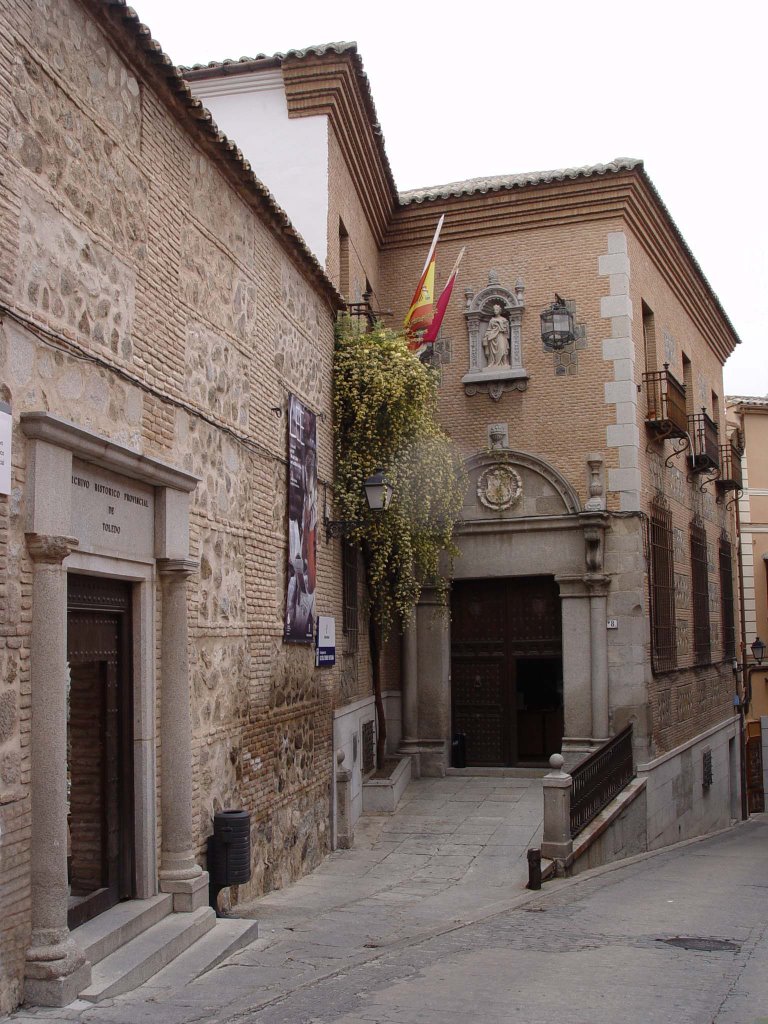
[[345, 835], [557, 844]]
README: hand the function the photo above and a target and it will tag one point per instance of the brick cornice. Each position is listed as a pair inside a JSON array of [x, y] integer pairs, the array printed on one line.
[[628, 195], [330, 85]]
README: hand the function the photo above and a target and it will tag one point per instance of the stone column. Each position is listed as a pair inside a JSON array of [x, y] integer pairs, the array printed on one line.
[[180, 874], [577, 666], [433, 666], [410, 684], [56, 970], [598, 607]]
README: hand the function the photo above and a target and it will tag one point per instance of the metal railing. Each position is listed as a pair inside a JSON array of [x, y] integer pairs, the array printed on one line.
[[666, 403], [600, 778], [731, 478], [705, 443]]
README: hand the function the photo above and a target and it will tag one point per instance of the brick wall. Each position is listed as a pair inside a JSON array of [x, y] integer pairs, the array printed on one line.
[[692, 698]]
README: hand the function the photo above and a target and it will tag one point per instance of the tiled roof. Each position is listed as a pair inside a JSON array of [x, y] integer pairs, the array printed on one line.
[[500, 182], [243, 65], [503, 182], [315, 51], [204, 123], [760, 400]]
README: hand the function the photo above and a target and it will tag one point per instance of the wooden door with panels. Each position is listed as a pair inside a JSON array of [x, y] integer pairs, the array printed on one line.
[[506, 670], [100, 853]]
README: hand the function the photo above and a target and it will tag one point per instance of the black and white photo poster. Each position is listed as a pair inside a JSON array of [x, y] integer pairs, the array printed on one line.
[[302, 523]]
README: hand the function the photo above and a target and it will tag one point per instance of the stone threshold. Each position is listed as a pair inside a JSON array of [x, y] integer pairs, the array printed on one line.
[[497, 773]]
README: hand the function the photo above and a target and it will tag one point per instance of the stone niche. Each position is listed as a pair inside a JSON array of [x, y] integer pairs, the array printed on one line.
[[494, 325]]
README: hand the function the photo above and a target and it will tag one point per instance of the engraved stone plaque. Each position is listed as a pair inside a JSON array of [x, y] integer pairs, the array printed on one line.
[[112, 514]]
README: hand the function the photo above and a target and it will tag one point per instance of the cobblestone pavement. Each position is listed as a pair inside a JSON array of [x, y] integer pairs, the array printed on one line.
[[427, 921]]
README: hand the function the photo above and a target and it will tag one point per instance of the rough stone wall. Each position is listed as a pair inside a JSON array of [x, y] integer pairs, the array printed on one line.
[[145, 298], [692, 698]]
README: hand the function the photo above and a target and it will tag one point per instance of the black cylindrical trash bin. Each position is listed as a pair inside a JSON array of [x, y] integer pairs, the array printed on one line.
[[459, 749], [229, 862]]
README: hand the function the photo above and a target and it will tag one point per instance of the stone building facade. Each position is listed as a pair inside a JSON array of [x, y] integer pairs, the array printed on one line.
[[585, 503], [748, 419], [157, 309]]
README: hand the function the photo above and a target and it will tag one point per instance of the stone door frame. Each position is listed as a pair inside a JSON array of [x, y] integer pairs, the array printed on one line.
[[56, 970], [568, 547]]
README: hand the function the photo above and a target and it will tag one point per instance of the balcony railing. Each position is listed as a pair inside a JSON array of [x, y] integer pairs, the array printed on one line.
[[705, 444], [731, 478], [600, 778], [665, 395]]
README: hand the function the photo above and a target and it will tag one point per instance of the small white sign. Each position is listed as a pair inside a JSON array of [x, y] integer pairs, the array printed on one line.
[[6, 431], [612, 624], [326, 641]]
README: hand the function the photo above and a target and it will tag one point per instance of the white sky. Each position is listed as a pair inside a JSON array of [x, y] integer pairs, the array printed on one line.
[[501, 88]]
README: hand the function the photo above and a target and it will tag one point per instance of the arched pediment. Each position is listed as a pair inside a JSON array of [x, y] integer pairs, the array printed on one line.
[[504, 483]]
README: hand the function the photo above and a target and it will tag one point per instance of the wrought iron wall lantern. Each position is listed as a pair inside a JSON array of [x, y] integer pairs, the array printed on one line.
[[557, 325], [758, 650], [378, 494]]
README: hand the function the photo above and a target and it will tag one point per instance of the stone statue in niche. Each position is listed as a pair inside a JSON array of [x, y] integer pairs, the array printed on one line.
[[496, 340], [494, 322]]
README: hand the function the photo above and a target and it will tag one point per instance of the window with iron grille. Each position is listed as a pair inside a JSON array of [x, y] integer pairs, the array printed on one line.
[[726, 598], [349, 623], [369, 751], [662, 580], [700, 588]]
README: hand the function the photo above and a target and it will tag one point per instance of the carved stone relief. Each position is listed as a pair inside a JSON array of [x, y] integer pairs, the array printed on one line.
[[499, 487], [494, 320]]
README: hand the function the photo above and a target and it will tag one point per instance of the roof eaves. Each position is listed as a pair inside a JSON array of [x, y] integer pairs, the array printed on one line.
[[504, 182], [501, 182], [204, 124], [263, 61]]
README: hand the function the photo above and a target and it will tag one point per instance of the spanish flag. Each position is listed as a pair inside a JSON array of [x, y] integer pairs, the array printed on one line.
[[422, 305], [431, 333]]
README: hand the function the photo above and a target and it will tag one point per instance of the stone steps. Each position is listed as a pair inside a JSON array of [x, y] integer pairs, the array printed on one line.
[[109, 931], [143, 956], [228, 935]]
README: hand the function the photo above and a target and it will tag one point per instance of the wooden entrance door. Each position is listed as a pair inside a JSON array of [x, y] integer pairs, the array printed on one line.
[[754, 760], [506, 669], [99, 743]]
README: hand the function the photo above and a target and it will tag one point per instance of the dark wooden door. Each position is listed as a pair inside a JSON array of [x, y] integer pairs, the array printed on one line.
[[99, 743], [754, 759], [505, 647]]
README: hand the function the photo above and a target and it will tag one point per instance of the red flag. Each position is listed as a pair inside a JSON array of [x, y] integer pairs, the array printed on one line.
[[433, 330], [421, 310]]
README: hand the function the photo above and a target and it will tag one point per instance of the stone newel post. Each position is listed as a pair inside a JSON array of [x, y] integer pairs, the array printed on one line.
[[556, 842], [56, 969], [179, 872], [345, 835]]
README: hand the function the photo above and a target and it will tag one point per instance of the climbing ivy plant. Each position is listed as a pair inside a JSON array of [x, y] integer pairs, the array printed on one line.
[[385, 406]]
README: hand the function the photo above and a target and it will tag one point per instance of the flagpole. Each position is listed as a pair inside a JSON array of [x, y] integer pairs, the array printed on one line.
[[432, 247], [459, 258]]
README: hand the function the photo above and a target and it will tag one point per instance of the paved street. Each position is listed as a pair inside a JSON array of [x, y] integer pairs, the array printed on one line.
[[427, 921]]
